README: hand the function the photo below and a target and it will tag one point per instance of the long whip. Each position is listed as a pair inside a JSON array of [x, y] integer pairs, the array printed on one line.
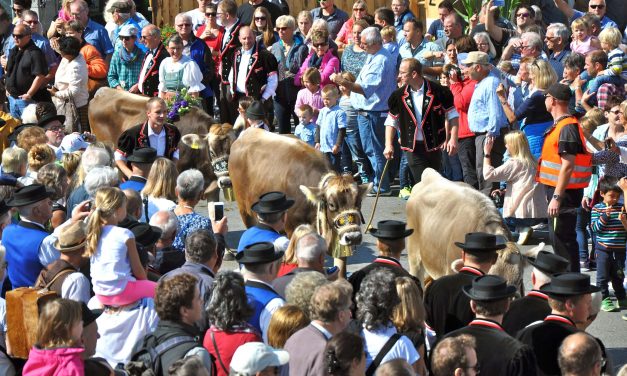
[[376, 200]]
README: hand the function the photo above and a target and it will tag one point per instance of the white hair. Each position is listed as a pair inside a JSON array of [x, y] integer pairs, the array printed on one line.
[[310, 247], [560, 30], [94, 157], [190, 184], [182, 17], [29, 115], [167, 221], [372, 36], [100, 177]]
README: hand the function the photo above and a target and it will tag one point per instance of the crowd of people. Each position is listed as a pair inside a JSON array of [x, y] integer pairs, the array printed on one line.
[[530, 111]]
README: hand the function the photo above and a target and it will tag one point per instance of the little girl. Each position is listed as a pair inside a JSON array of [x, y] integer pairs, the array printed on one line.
[[352, 150], [59, 347], [311, 93], [583, 42], [117, 274]]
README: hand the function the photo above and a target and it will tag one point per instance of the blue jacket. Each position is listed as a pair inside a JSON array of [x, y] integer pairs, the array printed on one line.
[[197, 53], [259, 295], [22, 243], [255, 234]]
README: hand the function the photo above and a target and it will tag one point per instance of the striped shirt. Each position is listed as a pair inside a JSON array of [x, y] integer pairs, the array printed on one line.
[[606, 225]]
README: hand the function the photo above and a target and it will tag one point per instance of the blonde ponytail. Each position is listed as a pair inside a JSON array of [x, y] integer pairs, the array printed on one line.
[[107, 201]]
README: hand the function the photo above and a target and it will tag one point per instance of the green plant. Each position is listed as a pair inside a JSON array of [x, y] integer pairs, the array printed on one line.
[[180, 105], [166, 32], [472, 7]]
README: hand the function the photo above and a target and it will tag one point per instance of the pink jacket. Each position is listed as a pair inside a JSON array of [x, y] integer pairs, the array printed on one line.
[[65, 361], [330, 64]]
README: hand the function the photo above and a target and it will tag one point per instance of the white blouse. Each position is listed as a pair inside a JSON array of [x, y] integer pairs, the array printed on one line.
[[71, 78], [192, 76]]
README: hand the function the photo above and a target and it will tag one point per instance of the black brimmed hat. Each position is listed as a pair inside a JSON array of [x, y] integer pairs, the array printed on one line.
[[482, 242], [569, 284], [258, 253], [89, 315], [49, 118], [255, 111], [489, 287], [145, 234], [550, 263], [29, 195], [143, 155], [391, 229], [272, 202], [4, 208]]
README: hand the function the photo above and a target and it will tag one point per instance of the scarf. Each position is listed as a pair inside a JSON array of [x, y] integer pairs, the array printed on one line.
[[315, 61], [129, 57]]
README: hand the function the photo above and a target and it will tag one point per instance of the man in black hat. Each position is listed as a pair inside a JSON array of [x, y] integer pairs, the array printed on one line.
[[390, 236], [145, 238], [570, 297], [256, 116], [489, 300], [55, 130], [447, 307], [261, 265], [141, 160], [535, 306], [565, 169], [93, 366], [271, 212], [23, 240]]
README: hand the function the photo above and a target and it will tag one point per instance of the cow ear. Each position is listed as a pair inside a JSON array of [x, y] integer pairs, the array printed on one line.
[[313, 194], [363, 189]]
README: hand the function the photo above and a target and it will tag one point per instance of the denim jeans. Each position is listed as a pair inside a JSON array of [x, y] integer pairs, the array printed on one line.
[[611, 268], [583, 223], [17, 106], [352, 151], [404, 173], [372, 134], [451, 167]]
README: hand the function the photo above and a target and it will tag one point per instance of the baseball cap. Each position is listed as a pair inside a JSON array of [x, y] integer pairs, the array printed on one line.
[[253, 357], [476, 57], [73, 142], [560, 92]]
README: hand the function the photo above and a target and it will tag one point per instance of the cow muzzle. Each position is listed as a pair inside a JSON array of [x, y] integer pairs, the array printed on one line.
[[220, 166], [347, 225]]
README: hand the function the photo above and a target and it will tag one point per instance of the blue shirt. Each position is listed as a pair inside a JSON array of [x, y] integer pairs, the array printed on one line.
[[418, 53], [306, 132], [97, 36], [43, 44], [605, 21], [557, 62], [436, 29], [118, 43], [330, 120], [485, 113], [377, 78]]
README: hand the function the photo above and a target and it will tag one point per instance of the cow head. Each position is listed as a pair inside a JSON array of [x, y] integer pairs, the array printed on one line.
[[338, 201], [511, 263], [220, 138]]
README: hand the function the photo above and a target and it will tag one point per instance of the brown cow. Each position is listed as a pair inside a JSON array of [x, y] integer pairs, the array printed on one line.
[[112, 111], [261, 162], [441, 212]]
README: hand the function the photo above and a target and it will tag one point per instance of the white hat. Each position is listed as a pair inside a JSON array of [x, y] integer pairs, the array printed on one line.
[[253, 357], [128, 30], [73, 142]]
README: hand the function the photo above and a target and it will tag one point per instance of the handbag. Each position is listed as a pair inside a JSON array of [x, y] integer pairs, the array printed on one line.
[[67, 107]]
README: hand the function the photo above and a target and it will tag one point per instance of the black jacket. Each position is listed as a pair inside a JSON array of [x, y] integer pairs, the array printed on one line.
[[261, 64], [524, 311], [150, 86], [169, 329], [227, 51], [437, 100]]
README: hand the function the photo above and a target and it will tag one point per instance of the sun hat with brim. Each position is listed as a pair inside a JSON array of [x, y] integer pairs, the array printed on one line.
[[391, 229], [128, 31], [569, 284], [253, 357], [89, 315], [550, 263], [29, 195], [17, 130], [482, 242], [272, 202], [489, 287], [143, 155], [49, 118], [258, 253], [476, 57], [255, 111], [72, 237], [145, 234]]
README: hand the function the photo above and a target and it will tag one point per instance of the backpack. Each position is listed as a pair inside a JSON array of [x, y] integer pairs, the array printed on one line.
[[147, 360], [23, 307]]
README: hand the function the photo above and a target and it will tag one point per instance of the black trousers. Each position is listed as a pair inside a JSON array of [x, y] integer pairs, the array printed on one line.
[[228, 105], [496, 158], [562, 229], [466, 151], [420, 159]]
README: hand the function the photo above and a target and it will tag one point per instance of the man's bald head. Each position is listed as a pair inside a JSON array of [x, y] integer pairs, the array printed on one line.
[[22, 29], [580, 354], [246, 38], [21, 35]]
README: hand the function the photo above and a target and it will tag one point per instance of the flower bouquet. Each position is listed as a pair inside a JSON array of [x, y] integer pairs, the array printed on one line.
[[180, 105]]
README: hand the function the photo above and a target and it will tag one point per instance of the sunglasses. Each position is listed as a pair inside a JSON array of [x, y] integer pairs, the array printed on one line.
[[260, 18], [184, 25], [523, 15], [596, 6], [125, 38], [318, 45], [210, 14], [359, 9], [18, 36], [282, 28], [32, 22]]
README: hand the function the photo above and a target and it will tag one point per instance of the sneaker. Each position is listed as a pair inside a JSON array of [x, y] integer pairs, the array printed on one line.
[[608, 305], [373, 193], [524, 234], [404, 193], [584, 266], [622, 303]]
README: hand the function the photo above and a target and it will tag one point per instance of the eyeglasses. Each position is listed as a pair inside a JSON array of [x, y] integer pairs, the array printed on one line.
[[615, 112], [359, 9], [525, 46], [184, 25], [18, 36], [318, 45], [482, 44], [260, 18], [55, 129], [596, 6], [211, 14], [125, 38], [523, 15], [144, 37]]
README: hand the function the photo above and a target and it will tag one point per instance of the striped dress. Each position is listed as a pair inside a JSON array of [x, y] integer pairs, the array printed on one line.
[[609, 231]]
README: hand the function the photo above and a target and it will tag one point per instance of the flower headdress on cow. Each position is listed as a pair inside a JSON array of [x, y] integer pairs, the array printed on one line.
[[181, 105]]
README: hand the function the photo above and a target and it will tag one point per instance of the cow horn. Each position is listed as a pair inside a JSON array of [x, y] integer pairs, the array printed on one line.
[[325, 179]]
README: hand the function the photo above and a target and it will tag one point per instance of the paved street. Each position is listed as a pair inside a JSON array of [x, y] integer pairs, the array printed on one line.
[[608, 326]]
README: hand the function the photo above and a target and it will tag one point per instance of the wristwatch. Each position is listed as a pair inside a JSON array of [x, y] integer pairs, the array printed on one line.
[[557, 198]]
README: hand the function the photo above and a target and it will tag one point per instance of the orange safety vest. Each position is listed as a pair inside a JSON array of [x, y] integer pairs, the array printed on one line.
[[551, 162]]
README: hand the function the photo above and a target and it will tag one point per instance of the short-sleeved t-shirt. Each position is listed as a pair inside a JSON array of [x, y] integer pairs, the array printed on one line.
[[110, 265], [570, 142], [375, 340]]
